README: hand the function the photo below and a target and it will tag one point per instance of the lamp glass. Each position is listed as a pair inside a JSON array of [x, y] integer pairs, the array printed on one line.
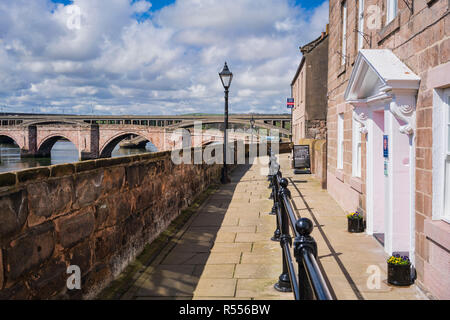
[[226, 76]]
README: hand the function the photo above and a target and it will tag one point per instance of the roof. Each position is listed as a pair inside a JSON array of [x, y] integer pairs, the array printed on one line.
[[300, 66], [377, 71], [307, 48]]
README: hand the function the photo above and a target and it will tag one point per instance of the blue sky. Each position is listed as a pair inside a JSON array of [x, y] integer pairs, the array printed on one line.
[[159, 58], [158, 4]]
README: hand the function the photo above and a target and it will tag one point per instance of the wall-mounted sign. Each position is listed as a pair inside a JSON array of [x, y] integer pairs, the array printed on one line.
[[290, 102], [386, 164], [386, 146], [302, 158]]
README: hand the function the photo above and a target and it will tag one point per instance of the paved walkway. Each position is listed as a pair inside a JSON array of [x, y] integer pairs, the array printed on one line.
[[224, 251]]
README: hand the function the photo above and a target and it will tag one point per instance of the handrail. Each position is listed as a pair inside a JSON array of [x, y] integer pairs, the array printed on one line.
[[309, 283]]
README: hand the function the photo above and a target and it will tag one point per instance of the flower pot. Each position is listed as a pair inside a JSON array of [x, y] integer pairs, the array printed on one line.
[[355, 225], [399, 275]]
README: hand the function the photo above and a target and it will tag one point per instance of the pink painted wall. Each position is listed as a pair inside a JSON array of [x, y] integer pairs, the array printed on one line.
[[345, 196]]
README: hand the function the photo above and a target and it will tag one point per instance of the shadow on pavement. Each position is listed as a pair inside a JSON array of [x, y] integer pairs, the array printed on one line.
[[180, 266]]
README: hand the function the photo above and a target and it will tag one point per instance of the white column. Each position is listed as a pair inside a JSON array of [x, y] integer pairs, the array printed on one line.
[[400, 183]]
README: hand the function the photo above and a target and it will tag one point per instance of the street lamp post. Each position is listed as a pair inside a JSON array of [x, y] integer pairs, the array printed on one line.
[[225, 76]]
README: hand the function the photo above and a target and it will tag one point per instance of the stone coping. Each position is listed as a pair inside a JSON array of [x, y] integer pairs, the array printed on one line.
[[10, 179], [13, 178]]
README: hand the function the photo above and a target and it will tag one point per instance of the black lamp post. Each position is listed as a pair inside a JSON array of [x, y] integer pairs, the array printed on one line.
[[225, 76]]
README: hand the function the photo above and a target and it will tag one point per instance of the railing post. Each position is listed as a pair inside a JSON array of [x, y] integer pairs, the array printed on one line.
[[303, 242], [284, 282], [276, 206]]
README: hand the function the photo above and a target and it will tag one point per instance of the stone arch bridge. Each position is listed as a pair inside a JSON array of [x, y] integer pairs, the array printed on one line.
[[37, 138]]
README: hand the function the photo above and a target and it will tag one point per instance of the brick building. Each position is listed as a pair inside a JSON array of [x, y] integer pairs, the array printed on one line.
[[309, 92], [389, 126]]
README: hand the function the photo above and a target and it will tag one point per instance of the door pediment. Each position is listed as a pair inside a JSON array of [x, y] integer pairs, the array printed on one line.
[[376, 73]]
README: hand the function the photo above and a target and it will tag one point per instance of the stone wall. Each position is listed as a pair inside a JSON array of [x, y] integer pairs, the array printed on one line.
[[96, 214], [320, 162], [316, 129]]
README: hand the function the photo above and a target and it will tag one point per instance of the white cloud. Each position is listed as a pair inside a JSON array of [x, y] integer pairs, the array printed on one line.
[[141, 6], [165, 64]]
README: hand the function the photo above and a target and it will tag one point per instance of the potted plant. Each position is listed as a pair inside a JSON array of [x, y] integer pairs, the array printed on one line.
[[399, 271], [355, 222]]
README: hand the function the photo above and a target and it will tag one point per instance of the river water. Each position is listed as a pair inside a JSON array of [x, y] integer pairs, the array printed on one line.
[[62, 152]]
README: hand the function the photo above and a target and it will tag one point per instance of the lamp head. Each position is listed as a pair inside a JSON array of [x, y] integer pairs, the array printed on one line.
[[226, 76]]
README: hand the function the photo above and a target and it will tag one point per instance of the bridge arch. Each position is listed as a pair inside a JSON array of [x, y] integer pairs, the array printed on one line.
[[6, 138], [108, 147], [45, 147]]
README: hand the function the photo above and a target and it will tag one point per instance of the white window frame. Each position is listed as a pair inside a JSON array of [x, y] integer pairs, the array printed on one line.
[[391, 10], [441, 116], [360, 24], [340, 141], [344, 33], [356, 149]]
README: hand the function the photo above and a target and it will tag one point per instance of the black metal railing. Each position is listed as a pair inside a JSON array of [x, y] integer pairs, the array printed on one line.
[[307, 283]]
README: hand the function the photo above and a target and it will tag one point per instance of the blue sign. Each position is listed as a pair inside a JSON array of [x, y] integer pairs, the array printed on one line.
[[386, 146], [290, 102]]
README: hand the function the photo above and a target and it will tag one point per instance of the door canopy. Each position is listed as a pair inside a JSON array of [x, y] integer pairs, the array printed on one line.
[[379, 75]]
